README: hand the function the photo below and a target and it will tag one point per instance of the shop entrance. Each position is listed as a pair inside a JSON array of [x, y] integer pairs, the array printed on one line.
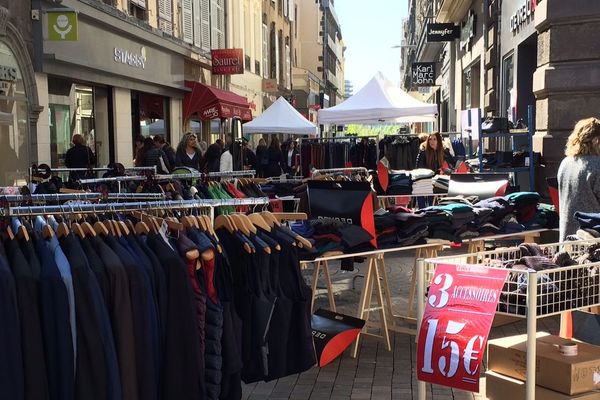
[[526, 65]]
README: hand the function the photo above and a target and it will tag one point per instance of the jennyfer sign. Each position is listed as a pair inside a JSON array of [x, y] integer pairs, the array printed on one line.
[[442, 32], [227, 61]]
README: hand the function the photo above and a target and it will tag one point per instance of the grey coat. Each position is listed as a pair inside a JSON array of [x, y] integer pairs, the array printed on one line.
[[579, 190]]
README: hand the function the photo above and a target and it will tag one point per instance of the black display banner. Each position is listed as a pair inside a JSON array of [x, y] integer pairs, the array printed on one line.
[[442, 32], [423, 74], [333, 333], [349, 202]]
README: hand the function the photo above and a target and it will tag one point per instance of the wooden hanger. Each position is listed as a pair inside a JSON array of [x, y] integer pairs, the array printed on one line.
[[78, 230], [101, 229], [123, 227], [47, 232], [88, 229], [282, 216], [223, 222], [239, 224], [259, 221], [130, 225], [22, 233], [189, 222], [247, 223], [270, 218], [141, 228], [62, 230], [10, 233]]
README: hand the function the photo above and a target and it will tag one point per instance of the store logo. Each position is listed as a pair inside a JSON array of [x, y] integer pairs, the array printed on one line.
[[442, 32], [62, 25], [136, 60], [423, 74], [211, 112], [8, 73], [523, 14]]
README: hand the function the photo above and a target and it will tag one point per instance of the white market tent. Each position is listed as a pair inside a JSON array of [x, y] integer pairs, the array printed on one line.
[[281, 117], [379, 102]]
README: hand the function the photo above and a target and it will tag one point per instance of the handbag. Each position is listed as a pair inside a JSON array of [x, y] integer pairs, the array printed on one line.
[[495, 125]]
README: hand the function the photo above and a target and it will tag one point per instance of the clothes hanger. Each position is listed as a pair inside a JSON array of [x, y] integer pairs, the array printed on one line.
[[9, 233], [22, 233], [47, 231], [270, 218], [223, 222], [239, 224], [62, 230], [259, 221]]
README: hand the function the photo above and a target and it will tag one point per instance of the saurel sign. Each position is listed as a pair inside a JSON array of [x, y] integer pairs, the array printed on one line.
[[227, 61], [423, 74]]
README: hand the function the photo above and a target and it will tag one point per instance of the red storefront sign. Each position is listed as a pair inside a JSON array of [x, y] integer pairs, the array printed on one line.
[[227, 61], [458, 316], [222, 110]]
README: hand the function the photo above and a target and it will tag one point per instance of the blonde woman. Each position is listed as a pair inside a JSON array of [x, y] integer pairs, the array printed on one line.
[[579, 175]]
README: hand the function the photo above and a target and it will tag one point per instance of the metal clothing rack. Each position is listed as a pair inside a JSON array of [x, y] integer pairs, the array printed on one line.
[[98, 169], [228, 174], [319, 139], [328, 171], [82, 196], [132, 206]]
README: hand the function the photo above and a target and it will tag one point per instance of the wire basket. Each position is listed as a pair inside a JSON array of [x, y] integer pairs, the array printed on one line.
[[556, 290]]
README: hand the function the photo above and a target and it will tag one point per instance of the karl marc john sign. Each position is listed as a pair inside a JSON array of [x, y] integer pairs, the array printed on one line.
[[442, 32], [423, 74]]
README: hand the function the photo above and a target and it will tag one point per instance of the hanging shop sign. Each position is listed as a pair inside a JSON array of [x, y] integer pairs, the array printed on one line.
[[467, 33], [523, 15], [269, 85], [423, 74], [227, 61], [442, 32], [460, 309], [62, 25]]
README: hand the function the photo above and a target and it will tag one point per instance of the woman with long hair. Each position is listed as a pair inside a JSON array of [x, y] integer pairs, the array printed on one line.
[[432, 154], [188, 152], [275, 164], [579, 175]]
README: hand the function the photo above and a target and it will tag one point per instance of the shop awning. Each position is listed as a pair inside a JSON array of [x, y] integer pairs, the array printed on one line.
[[210, 102]]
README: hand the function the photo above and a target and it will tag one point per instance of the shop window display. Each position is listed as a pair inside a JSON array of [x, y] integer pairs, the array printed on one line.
[[15, 142]]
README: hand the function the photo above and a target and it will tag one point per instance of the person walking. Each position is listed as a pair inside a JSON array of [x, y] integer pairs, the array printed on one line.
[[291, 158], [162, 144], [79, 156], [579, 175], [275, 164], [188, 153], [212, 158], [262, 158], [153, 156]]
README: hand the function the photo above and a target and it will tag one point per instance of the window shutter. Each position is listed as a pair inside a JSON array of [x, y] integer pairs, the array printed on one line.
[[265, 50], [165, 16], [139, 3], [287, 66], [286, 7], [197, 23], [277, 63], [205, 24], [188, 21], [292, 15], [217, 20]]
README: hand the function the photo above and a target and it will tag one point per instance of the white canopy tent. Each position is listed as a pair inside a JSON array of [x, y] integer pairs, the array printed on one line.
[[379, 102], [281, 117]]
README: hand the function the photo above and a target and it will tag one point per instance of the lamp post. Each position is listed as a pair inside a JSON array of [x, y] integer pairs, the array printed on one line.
[[402, 47]]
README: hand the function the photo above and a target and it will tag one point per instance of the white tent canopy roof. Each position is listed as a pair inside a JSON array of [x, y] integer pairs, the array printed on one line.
[[379, 101], [281, 117]]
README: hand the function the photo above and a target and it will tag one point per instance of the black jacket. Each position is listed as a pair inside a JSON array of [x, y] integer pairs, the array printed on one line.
[[183, 160], [275, 164], [152, 157], [422, 160], [79, 156]]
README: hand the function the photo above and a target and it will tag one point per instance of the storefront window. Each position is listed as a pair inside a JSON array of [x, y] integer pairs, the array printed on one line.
[[16, 148], [508, 76], [70, 111], [150, 115]]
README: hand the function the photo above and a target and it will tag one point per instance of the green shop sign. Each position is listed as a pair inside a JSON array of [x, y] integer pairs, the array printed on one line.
[[62, 25]]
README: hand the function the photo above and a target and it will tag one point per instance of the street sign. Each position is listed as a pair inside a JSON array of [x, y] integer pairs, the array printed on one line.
[[62, 25], [423, 74]]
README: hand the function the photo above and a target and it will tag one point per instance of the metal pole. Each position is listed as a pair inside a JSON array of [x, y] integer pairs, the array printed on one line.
[[421, 386], [531, 334]]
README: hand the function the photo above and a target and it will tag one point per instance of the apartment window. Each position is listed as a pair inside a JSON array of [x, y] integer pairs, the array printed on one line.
[[508, 76], [280, 57], [165, 16], [288, 67], [137, 9], [279, 7], [257, 67], [471, 85], [265, 50], [247, 63], [295, 21]]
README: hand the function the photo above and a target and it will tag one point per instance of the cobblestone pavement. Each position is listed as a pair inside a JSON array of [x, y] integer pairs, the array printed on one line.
[[376, 373]]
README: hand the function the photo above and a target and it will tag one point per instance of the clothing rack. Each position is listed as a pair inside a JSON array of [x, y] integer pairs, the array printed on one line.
[[98, 169], [131, 206], [340, 171], [333, 138], [113, 179], [82, 196], [230, 174]]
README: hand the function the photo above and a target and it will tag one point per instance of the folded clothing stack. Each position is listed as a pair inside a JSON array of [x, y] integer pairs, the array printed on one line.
[[421, 178], [409, 228], [440, 183], [588, 220], [400, 183], [525, 205]]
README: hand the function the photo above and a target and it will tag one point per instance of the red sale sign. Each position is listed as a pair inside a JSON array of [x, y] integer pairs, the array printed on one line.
[[458, 316]]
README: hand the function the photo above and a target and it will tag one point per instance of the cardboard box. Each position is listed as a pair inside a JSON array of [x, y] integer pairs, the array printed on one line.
[[501, 387], [565, 374]]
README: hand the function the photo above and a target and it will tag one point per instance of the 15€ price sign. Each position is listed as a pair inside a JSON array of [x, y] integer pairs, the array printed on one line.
[[458, 316]]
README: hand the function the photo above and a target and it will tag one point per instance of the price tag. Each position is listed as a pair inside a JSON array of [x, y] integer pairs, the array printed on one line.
[[458, 316]]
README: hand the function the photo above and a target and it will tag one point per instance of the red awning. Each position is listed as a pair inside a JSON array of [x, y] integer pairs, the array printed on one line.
[[209, 102]]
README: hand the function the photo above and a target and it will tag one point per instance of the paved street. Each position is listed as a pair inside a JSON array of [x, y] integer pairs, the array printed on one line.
[[376, 373]]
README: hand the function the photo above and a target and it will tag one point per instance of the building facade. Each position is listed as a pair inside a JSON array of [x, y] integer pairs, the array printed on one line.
[[19, 105]]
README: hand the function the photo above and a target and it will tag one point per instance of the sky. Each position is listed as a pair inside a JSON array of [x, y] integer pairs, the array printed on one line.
[[369, 30]]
